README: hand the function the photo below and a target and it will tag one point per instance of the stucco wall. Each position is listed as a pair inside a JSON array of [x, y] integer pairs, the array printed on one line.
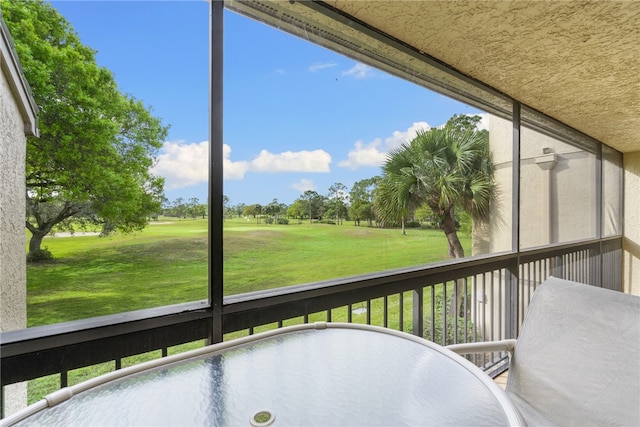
[[495, 234], [558, 191], [631, 241], [12, 197], [13, 280]]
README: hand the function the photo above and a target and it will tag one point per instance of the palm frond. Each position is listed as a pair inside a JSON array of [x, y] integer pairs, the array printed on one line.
[[439, 167]]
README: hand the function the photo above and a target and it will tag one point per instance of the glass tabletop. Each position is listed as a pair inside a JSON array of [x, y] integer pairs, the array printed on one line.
[[329, 375]]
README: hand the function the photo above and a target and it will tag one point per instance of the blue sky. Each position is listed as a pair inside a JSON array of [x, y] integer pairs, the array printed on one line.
[[296, 116]]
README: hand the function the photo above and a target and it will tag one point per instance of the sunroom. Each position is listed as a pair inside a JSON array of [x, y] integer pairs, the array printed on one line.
[[558, 82]]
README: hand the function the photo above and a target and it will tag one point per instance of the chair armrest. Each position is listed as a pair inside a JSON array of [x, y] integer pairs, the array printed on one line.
[[484, 347]]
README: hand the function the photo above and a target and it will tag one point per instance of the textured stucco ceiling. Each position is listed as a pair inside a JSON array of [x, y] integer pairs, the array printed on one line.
[[576, 61]]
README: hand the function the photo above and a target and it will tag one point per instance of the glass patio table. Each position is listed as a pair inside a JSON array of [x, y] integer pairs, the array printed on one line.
[[313, 374]]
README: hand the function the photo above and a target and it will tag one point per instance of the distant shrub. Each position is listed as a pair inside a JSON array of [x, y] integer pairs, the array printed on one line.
[[327, 221], [283, 221], [412, 224], [268, 220], [40, 255]]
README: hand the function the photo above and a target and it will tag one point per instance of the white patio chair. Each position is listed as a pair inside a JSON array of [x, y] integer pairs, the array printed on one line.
[[577, 358]]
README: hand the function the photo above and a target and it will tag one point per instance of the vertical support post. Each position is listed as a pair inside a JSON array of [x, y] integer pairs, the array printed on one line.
[[512, 279], [596, 260], [511, 298], [515, 180], [418, 312], [216, 293]]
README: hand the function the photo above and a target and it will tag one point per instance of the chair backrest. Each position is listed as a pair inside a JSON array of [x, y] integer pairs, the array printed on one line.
[[577, 359]]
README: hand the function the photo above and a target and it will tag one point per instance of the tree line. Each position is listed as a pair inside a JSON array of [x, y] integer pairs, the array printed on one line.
[[183, 209]]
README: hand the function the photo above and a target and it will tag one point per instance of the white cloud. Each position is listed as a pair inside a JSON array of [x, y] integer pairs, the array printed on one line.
[[359, 71], [290, 161], [364, 155], [375, 152], [321, 66], [304, 185], [232, 170], [184, 165], [279, 70], [399, 137]]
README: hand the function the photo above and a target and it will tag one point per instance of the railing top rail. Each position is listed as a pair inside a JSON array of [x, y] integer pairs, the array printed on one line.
[[113, 324], [532, 254], [461, 267]]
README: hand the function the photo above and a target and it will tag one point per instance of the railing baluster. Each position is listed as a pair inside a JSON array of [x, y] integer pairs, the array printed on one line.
[[418, 311], [443, 339], [531, 281], [501, 303], [401, 315], [385, 312], [368, 312], [456, 313], [572, 265], [527, 295], [578, 260], [349, 314], [520, 292], [329, 315], [433, 312], [118, 363], [493, 305], [465, 306], [540, 272], [64, 379], [476, 305], [585, 268], [484, 308]]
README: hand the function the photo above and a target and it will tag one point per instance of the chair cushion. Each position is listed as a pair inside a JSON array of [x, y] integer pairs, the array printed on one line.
[[577, 359]]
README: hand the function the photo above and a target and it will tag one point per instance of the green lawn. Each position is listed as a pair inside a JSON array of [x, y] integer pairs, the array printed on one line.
[[167, 264], [93, 276]]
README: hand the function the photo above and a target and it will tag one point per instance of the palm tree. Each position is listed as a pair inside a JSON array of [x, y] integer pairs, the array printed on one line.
[[442, 168]]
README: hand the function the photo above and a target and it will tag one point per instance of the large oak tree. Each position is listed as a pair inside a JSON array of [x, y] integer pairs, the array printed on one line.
[[97, 145]]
